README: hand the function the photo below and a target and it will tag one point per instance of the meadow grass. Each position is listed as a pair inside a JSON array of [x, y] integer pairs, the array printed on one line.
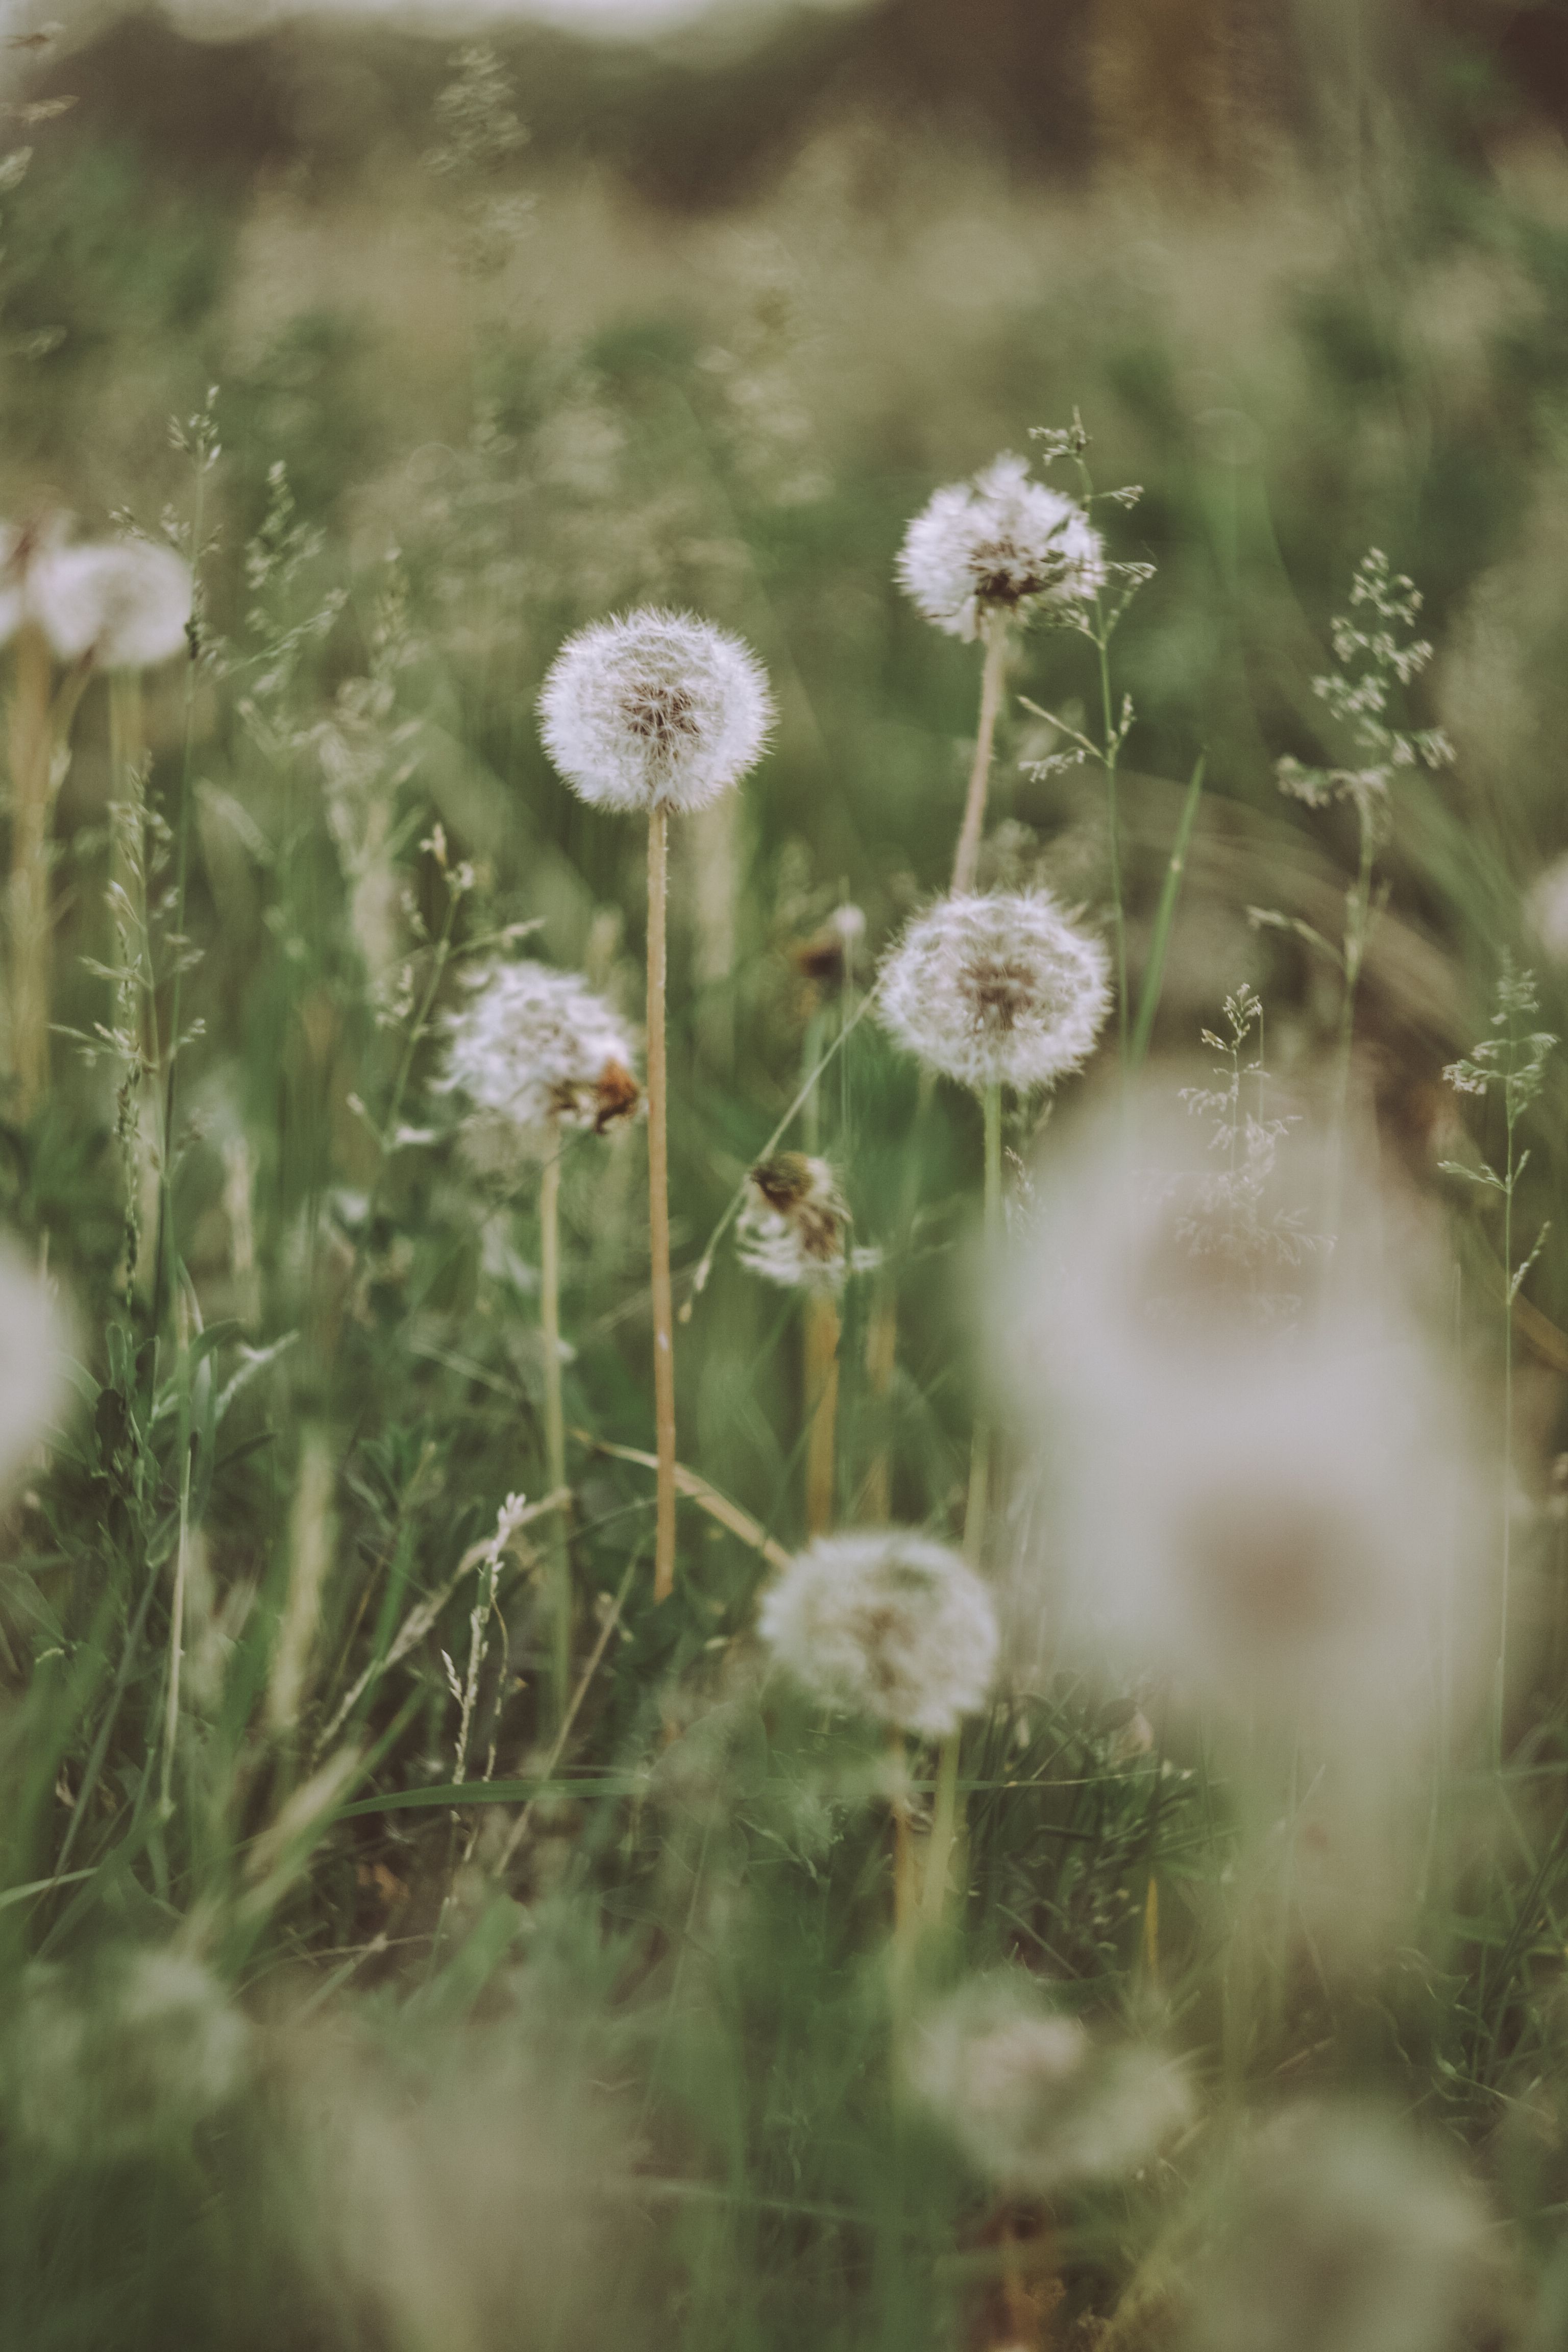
[[397, 1958]]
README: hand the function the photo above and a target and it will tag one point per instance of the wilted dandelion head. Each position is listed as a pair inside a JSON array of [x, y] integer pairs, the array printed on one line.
[[657, 709], [106, 2059], [794, 1227], [999, 544], [1339, 2231], [1033, 2098], [535, 1048], [124, 605], [889, 1625], [996, 990]]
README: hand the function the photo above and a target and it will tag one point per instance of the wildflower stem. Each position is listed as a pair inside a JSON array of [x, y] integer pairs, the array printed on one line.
[[968, 858], [944, 1828], [1358, 910], [658, 1203], [556, 1419], [1510, 1174], [177, 1601]]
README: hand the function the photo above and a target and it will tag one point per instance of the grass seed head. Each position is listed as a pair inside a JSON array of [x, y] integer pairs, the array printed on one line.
[[889, 1625], [996, 990], [657, 709], [107, 2060], [1000, 544]]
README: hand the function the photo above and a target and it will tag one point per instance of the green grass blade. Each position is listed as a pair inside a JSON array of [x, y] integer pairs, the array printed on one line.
[[1155, 971]]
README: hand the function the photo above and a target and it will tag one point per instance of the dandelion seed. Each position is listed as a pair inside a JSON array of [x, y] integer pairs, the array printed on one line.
[[659, 710], [889, 1625], [996, 990], [794, 1227], [535, 1048], [124, 606], [1033, 2098], [1342, 2230], [1000, 544]]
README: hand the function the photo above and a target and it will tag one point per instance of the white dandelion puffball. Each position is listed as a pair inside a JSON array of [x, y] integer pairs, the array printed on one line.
[[794, 1227], [998, 545], [999, 990], [1260, 1484], [1340, 2230], [24, 548], [126, 606], [33, 1355], [1033, 2098], [534, 1047], [889, 1625], [658, 710], [105, 2059]]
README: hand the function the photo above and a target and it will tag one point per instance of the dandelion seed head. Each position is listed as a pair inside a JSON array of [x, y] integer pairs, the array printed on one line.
[[105, 2059], [1000, 990], [1339, 2227], [794, 1227], [1000, 543], [1033, 2098], [125, 605], [535, 1048], [657, 709], [886, 1624]]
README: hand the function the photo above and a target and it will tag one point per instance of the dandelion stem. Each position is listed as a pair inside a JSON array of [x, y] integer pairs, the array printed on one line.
[[944, 1828], [968, 856], [556, 1419], [658, 1203], [31, 747], [980, 1442], [821, 1349], [905, 1913], [1109, 757], [177, 1601]]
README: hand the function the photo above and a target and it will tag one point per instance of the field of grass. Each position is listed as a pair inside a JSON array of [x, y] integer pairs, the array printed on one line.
[[418, 1932]]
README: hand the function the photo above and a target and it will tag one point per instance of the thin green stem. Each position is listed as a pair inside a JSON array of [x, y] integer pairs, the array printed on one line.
[[1109, 754], [163, 1253], [980, 1442], [555, 1420]]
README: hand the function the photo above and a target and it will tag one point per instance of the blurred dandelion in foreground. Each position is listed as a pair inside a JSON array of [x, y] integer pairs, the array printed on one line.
[[537, 1049], [996, 990], [1341, 2232], [125, 605], [794, 1227], [1275, 1513], [888, 1625], [1034, 2099], [1002, 543], [105, 2060], [657, 711], [1546, 904]]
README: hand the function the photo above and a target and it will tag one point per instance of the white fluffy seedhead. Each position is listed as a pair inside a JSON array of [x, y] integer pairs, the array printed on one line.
[[1337, 2226], [1002, 543], [996, 990], [889, 1625], [126, 606], [1032, 2097], [535, 1048], [657, 709], [794, 1227]]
